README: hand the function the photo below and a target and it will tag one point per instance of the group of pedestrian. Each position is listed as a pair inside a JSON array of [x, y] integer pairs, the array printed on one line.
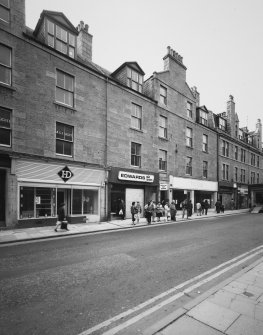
[[154, 212], [202, 207]]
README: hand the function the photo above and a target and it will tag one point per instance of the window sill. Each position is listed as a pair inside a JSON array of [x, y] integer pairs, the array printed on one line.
[[60, 105], [205, 152], [191, 148], [136, 129], [11, 88], [65, 156], [163, 138]]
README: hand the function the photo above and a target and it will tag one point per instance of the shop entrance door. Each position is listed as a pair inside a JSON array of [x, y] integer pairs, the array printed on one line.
[[63, 195], [2, 198], [133, 194]]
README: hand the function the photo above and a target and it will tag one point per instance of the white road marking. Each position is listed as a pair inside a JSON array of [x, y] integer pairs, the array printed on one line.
[[153, 309]]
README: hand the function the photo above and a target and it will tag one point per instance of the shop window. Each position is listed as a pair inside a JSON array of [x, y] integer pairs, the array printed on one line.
[[44, 202], [5, 65], [37, 202], [5, 127], [4, 10], [65, 88], [77, 202], [84, 202], [136, 117], [27, 197], [64, 139], [136, 154]]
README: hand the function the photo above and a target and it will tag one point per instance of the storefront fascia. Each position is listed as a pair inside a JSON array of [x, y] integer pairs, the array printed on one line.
[[191, 185], [130, 185], [43, 186]]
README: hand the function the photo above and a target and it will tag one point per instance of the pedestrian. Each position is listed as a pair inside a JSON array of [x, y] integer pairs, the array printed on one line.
[[148, 211], [167, 212], [222, 208], [190, 208], [206, 205], [232, 204], [134, 211], [154, 211], [159, 211], [122, 209], [218, 206], [185, 206], [61, 216], [173, 211], [139, 210], [203, 207], [199, 209]]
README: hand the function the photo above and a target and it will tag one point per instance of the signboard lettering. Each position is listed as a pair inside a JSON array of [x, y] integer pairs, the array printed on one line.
[[138, 177]]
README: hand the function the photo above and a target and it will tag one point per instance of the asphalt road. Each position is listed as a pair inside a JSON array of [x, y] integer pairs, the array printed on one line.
[[66, 286]]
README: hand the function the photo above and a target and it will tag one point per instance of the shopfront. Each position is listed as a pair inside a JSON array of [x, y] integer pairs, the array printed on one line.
[[238, 192], [193, 189], [130, 185], [42, 187]]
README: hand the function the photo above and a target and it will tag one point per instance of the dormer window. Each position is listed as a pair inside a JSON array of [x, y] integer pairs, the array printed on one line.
[[61, 39], [222, 124], [134, 80], [203, 117]]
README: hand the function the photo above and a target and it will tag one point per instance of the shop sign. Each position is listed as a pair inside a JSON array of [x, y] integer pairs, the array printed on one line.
[[243, 190], [38, 200], [163, 187], [138, 177], [65, 174]]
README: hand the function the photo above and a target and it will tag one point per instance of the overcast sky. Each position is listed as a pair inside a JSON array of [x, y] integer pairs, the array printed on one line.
[[221, 42]]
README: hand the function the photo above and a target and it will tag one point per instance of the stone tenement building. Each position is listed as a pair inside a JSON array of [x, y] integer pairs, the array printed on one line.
[[71, 131]]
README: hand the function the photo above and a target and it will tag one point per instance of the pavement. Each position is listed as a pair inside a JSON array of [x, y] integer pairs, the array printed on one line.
[[233, 307], [46, 232]]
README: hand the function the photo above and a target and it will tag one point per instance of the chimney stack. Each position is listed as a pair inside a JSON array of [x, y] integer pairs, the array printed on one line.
[[196, 95], [84, 42]]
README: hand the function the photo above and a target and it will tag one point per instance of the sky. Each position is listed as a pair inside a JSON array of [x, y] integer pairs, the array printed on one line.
[[220, 41]]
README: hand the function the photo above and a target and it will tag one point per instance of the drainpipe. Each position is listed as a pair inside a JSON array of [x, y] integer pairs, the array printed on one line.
[[106, 188]]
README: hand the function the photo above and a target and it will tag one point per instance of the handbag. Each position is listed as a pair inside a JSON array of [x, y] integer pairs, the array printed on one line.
[[64, 224]]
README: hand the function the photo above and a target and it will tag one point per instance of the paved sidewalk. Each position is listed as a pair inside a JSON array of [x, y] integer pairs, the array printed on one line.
[[234, 307], [26, 234]]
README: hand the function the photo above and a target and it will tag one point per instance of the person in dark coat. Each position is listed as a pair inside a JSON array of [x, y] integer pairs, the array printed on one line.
[[61, 216], [190, 208], [173, 211], [206, 206], [218, 206], [134, 211], [148, 211]]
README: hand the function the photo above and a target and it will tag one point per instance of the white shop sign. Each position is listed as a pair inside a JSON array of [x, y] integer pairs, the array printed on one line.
[[138, 177], [163, 187]]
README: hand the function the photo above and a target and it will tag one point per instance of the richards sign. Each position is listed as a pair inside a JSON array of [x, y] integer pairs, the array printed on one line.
[[137, 177]]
